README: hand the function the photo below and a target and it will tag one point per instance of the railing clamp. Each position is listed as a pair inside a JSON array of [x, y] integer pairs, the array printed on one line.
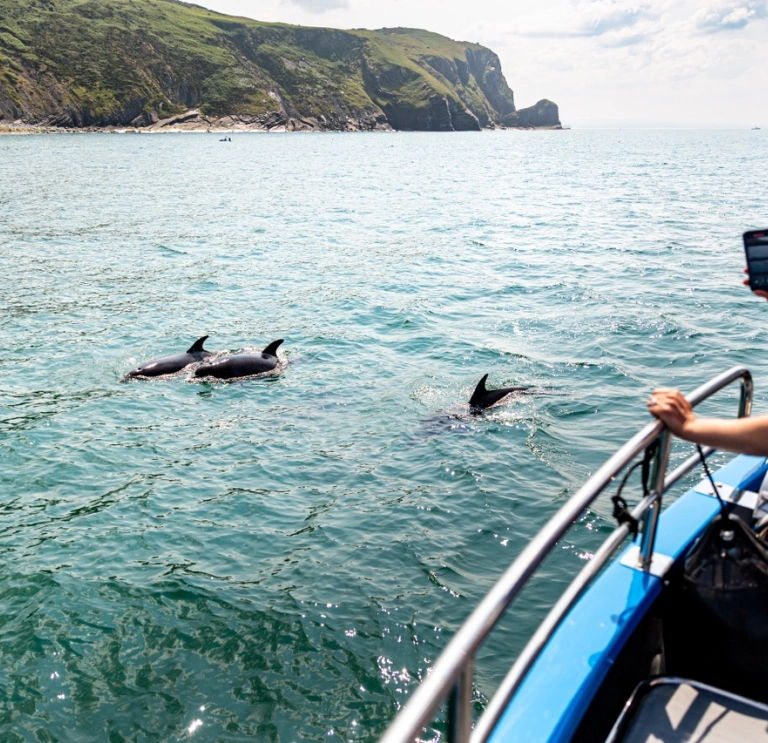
[[622, 515]]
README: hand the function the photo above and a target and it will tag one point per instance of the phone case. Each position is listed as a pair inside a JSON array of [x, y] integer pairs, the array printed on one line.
[[756, 251]]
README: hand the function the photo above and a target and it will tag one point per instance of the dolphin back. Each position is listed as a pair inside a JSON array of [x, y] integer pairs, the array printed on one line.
[[170, 364], [239, 365]]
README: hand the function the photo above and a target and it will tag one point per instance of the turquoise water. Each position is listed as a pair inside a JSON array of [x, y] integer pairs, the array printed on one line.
[[281, 559]]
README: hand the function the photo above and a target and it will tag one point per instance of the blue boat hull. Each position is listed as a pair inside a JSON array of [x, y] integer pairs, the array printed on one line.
[[605, 645]]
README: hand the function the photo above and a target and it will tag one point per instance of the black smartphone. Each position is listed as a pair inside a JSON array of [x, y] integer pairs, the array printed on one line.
[[756, 248]]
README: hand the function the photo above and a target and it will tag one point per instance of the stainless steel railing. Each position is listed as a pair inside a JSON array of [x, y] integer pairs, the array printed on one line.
[[452, 675]]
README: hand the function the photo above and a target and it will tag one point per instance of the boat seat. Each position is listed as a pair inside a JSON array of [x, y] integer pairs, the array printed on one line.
[[673, 710]]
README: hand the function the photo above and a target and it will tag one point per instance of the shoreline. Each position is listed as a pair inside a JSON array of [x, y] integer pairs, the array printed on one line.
[[11, 130], [193, 121]]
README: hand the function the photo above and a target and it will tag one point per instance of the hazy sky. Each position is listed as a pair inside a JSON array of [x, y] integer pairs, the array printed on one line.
[[675, 61]]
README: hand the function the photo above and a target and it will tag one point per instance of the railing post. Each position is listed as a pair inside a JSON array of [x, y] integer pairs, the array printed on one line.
[[460, 705], [745, 403], [650, 523]]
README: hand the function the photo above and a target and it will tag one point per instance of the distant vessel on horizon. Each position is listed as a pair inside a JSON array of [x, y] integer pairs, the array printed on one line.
[[755, 128]]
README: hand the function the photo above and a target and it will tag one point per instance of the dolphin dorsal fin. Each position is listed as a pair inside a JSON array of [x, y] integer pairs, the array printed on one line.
[[197, 346], [271, 349], [479, 391]]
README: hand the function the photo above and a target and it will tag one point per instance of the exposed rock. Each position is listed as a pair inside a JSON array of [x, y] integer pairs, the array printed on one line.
[[461, 118], [147, 118], [543, 114], [192, 116]]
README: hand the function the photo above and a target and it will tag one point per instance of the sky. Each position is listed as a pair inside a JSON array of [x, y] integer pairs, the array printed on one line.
[[642, 62]]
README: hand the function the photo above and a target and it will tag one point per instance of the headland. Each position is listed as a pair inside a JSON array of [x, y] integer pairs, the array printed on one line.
[[163, 65]]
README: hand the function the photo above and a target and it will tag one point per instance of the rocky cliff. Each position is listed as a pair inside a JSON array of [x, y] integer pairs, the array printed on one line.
[[148, 63]]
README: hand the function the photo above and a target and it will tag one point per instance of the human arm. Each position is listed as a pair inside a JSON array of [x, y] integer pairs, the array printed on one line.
[[740, 435]]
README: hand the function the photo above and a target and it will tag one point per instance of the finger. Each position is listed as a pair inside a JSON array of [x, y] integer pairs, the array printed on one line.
[[761, 293], [661, 410], [679, 407], [658, 397], [667, 417], [662, 403], [671, 407], [655, 410]]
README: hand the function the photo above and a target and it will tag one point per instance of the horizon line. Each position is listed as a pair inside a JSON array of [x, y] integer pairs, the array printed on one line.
[[656, 124]]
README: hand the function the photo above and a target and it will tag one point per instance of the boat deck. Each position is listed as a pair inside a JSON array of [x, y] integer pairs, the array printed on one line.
[[669, 710]]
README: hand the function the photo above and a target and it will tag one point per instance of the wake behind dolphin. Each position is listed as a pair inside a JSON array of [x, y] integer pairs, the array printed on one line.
[[171, 364], [241, 364]]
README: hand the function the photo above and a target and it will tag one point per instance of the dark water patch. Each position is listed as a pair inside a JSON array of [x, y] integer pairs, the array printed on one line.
[[168, 249]]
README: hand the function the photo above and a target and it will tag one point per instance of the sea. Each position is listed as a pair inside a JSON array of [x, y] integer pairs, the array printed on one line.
[[283, 558]]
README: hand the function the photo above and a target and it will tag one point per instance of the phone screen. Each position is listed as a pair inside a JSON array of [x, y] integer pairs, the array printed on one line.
[[756, 248]]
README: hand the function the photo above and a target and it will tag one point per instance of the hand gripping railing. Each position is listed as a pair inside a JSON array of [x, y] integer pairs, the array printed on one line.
[[452, 675]]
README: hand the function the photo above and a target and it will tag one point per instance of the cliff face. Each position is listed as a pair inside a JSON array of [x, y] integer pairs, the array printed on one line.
[[82, 63]]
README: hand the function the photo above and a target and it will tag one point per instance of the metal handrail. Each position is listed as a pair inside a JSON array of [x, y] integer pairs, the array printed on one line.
[[460, 651], [527, 658]]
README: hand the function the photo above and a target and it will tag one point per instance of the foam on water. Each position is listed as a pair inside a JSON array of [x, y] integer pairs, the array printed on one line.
[[284, 560]]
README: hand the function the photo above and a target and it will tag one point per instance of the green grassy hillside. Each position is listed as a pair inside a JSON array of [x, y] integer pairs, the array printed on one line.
[[134, 62]]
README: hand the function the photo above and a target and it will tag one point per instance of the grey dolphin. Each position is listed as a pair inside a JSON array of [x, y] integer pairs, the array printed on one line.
[[241, 364], [483, 398], [171, 364]]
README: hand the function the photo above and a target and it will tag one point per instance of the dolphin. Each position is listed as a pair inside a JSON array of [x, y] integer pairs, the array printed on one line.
[[241, 364], [483, 398], [171, 364]]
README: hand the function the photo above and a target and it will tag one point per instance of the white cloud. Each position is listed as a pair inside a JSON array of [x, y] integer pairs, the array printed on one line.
[[320, 6], [729, 16], [646, 42], [588, 18]]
